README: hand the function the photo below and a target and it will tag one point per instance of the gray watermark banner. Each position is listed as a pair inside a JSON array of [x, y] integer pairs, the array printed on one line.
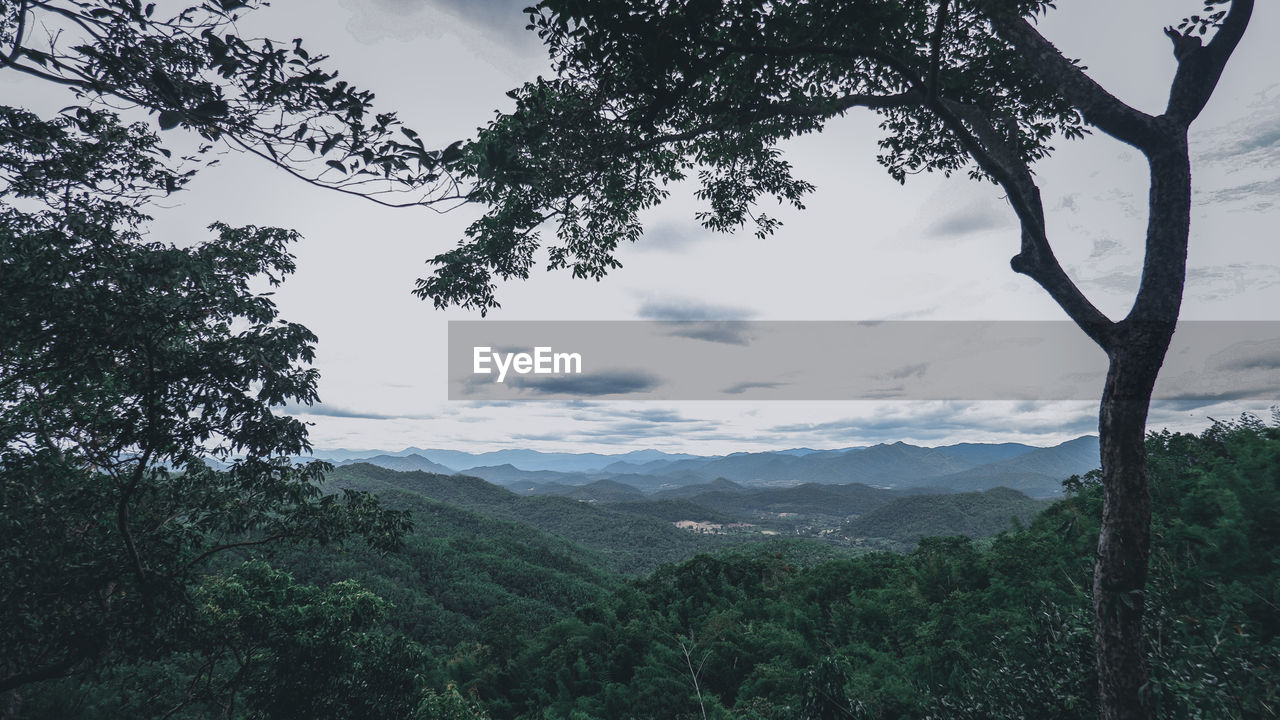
[[1209, 361]]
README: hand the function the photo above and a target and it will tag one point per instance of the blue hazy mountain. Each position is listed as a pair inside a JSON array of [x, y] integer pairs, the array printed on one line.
[[403, 463], [522, 459], [962, 467]]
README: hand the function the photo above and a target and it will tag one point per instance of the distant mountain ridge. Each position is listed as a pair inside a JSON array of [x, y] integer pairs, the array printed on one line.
[[963, 467], [633, 531], [403, 463]]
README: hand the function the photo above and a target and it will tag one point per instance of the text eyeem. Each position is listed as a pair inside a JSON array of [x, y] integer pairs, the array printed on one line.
[[542, 361]]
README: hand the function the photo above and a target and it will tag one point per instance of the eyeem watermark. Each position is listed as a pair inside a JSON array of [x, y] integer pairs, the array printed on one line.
[[542, 361], [493, 361]]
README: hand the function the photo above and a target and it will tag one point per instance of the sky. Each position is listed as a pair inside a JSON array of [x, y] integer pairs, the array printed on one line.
[[865, 248]]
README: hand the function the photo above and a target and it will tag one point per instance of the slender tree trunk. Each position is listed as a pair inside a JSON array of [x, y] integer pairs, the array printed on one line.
[[1120, 573], [1136, 354]]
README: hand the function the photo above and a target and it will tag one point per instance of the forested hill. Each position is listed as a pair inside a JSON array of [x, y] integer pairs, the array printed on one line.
[[976, 515], [999, 630], [636, 533], [505, 607], [628, 543]]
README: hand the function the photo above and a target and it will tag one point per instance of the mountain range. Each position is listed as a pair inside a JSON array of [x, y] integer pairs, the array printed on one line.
[[637, 475]]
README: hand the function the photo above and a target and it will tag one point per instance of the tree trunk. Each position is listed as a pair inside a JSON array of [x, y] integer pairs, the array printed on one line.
[[1120, 574], [1136, 352]]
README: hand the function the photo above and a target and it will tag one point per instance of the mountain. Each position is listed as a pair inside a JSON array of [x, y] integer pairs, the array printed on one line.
[[981, 453], [603, 491], [956, 468], [628, 543], [885, 465], [536, 460], [717, 485], [890, 465], [808, 499], [901, 466], [1038, 473], [509, 475], [975, 514], [403, 463], [672, 511]]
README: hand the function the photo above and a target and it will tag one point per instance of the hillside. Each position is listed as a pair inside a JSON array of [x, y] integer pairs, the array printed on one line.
[[458, 566], [976, 514], [717, 485], [809, 499], [629, 543], [671, 511]]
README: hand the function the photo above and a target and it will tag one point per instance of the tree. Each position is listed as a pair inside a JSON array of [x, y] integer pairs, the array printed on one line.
[[273, 99], [648, 92], [124, 364]]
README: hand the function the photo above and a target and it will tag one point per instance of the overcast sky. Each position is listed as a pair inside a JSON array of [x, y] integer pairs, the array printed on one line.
[[865, 249]]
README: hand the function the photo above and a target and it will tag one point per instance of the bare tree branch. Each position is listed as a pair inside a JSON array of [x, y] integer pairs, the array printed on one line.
[[1099, 107], [1199, 68], [1036, 259]]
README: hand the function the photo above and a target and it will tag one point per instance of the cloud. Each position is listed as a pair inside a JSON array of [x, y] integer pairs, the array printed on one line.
[[1116, 281], [726, 333], [334, 411], [603, 382], [973, 218], [689, 309], [1218, 281], [406, 20], [658, 416], [1256, 362], [908, 371], [490, 12], [1213, 282], [1252, 140], [1102, 248], [700, 320], [636, 430], [941, 421], [1196, 401], [668, 236], [742, 387], [1261, 194]]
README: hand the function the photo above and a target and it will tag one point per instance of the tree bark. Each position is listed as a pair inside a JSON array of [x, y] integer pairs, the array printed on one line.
[[1136, 353], [1120, 572]]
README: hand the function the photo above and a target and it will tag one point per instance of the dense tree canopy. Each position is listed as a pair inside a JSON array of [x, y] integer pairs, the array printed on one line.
[[124, 364], [647, 93], [954, 629]]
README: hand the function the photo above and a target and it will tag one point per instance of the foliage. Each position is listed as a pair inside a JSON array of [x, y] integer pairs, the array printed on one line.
[[263, 646], [629, 543], [515, 623], [649, 93], [123, 364], [464, 578], [950, 630], [192, 69], [979, 514]]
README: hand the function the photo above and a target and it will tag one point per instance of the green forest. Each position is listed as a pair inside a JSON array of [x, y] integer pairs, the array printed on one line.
[[477, 615]]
